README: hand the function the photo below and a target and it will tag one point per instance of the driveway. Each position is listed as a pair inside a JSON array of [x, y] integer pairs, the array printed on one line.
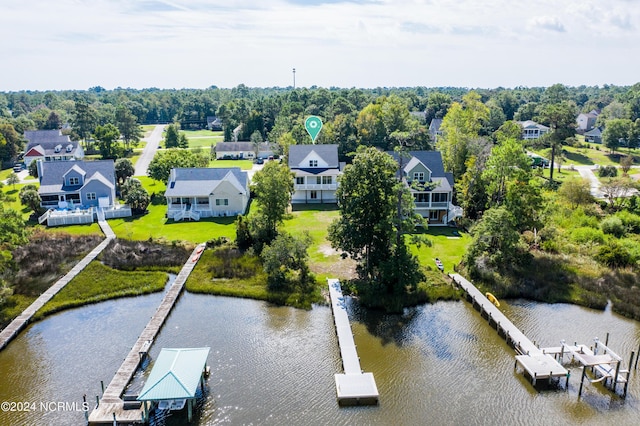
[[587, 173], [149, 151]]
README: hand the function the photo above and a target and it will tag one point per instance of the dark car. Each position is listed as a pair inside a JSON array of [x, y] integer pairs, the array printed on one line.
[[17, 167], [259, 161]]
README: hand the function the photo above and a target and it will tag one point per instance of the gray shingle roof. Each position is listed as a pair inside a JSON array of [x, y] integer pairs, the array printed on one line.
[[48, 140], [328, 152], [201, 181], [52, 179], [431, 159]]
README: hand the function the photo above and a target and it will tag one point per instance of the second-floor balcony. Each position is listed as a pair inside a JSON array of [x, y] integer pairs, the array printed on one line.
[[433, 205]]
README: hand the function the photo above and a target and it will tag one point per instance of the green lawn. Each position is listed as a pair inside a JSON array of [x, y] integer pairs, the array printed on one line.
[[446, 246], [14, 201], [204, 142], [243, 164], [199, 133]]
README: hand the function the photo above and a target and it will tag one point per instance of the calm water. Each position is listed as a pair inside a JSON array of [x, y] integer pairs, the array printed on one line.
[[437, 364]]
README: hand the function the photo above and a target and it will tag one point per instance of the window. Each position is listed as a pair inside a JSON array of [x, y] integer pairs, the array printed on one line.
[[313, 195], [313, 163], [222, 201], [419, 176], [327, 180], [421, 197], [318, 180], [433, 215], [300, 181], [74, 181], [440, 197], [91, 196], [202, 201]]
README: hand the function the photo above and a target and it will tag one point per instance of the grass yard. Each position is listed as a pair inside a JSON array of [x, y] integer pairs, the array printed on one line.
[[315, 219], [446, 246], [243, 164], [201, 133], [14, 200], [204, 142]]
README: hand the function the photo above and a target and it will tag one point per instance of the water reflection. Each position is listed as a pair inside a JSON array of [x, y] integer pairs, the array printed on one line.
[[435, 364]]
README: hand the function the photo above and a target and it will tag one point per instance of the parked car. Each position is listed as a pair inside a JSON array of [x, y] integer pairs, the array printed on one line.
[[17, 167]]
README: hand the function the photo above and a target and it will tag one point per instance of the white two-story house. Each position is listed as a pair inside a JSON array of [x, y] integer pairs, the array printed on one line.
[[316, 169], [431, 187]]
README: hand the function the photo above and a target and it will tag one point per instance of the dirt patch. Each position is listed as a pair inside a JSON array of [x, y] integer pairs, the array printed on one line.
[[339, 267]]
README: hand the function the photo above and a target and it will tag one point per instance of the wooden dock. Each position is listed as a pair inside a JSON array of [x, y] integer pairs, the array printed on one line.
[[537, 363], [22, 320], [353, 387], [111, 409]]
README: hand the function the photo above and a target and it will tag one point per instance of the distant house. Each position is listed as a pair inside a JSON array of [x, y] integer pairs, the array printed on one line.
[[50, 145], [430, 185], [434, 129], [586, 121], [316, 169], [194, 193], [214, 124], [594, 135], [421, 116], [243, 150], [532, 130], [78, 191]]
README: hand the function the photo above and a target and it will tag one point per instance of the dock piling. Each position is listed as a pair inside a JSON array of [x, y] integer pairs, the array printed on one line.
[[626, 384], [635, 366], [584, 372]]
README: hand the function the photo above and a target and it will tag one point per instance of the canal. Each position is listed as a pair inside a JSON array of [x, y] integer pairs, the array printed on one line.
[[436, 364]]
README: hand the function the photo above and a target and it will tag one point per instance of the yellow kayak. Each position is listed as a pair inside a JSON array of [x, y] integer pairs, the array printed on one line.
[[493, 299]]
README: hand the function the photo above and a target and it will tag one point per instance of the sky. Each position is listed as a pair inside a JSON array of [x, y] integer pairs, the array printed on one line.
[[78, 44]]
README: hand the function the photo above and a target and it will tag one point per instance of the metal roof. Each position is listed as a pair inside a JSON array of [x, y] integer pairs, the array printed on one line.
[[175, 374], [187, 182]]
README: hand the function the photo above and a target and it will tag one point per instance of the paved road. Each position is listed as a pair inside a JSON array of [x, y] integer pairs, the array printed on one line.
[[149, 151], [587, 173]]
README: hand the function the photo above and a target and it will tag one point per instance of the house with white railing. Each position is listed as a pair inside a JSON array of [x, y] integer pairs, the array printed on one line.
[[74, 192], [316, 169], [194, 193], [430, 185]]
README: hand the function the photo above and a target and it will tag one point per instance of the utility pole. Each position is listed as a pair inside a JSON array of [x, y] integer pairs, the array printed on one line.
[[294, 79]]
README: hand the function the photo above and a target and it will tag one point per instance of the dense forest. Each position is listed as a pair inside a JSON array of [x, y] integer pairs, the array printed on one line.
[[535, 233]]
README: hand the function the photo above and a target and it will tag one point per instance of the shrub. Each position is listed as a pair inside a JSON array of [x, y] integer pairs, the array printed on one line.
[[613, 226], [614, 256], [585, 234], [608, 171], [630, 220]]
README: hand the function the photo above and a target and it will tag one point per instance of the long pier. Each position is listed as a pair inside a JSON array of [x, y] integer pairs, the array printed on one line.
[[353, 387], [537, 363], [112, 408], [21, 321]]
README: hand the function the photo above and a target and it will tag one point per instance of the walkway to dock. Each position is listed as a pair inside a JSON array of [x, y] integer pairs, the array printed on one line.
[[354, 386], [21, 321], [111, 406], [537, 363]]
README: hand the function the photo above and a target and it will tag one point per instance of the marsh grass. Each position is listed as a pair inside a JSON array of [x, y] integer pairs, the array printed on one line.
[[227, 272], [98, 282]]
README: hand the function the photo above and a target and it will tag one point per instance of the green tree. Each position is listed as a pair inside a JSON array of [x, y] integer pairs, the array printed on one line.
[[13, 180], [173, 138], [495, 240], [29, 197], [84, 121], [273, 187], [128, 125], [10, 142], [370, 127], [107, 137], [525, 203], [561, 118], [576, 191], [285, 261], [134, 194], [460, 127], [507, 162], [471, 189], [615, 132], [162, 163], [625, 163], [124, 169]]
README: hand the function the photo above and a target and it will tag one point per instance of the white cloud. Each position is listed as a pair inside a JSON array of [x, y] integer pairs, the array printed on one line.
[[364, 43]]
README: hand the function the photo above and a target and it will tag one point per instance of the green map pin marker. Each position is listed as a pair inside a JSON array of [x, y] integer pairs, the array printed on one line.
[[313, 125]]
